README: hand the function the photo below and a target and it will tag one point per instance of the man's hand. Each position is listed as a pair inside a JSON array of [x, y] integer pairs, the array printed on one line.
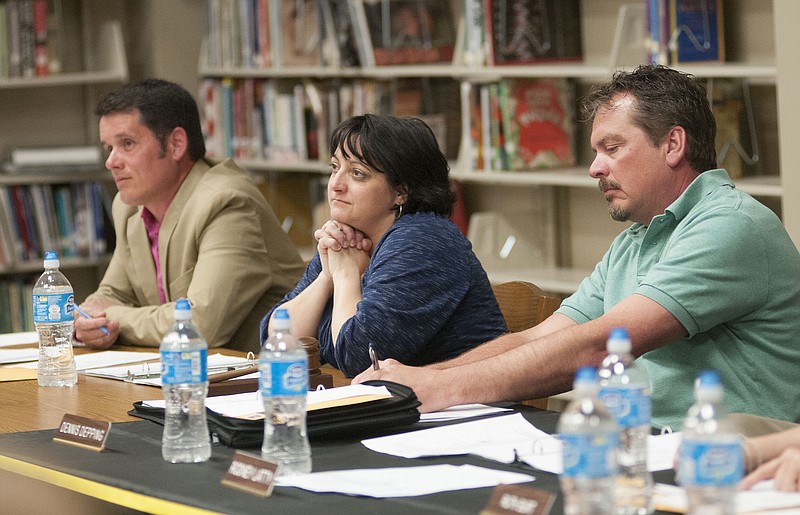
[[784, 470], [87, 330], [429, 385]]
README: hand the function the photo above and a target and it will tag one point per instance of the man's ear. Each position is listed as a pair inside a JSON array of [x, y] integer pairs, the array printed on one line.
[[676, 146], [177, 143]]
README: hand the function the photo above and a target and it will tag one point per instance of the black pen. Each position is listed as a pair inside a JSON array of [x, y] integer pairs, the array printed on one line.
[[374, 358], [87, 315]]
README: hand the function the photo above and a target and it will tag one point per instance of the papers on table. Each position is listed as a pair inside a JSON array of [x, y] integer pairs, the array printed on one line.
[[403, 481], [661, 449], [496, 438], [16, 374], [107, 358], [143, 368], [761, 498], [501, 439], [26, 338], [462, 411], [8, 356], [250, 406]]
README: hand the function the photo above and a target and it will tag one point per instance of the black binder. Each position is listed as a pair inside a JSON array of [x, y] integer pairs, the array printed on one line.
[[354, 420]]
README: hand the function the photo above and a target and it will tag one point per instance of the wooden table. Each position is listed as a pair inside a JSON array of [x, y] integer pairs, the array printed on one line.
[[27, 407]]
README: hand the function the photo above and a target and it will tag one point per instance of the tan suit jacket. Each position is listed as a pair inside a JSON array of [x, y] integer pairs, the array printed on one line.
[[220, 246]]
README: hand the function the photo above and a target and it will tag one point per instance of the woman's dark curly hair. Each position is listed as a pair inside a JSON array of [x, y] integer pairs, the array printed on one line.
[[405, 150]]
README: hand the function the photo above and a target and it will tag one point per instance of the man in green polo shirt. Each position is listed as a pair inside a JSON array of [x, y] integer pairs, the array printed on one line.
[[705, 278]]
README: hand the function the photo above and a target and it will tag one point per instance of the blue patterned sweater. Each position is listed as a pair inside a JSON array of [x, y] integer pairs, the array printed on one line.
[[425, 298]]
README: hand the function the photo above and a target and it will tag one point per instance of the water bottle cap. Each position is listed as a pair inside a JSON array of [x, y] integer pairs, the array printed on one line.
[[50, 259], [183, 310], [708, 378], [281, 320], [586, 375], [708, 386], [618, 341]]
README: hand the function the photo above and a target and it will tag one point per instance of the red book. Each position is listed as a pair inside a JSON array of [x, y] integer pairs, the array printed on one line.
[[40, 36], [23, 221], [543, 123]]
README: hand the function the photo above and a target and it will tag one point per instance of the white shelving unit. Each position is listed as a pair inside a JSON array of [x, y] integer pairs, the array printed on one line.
[[760, 43], [57, 109]]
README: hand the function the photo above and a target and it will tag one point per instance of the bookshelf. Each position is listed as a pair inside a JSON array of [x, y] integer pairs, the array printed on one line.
[[551, 225], [56, 110]]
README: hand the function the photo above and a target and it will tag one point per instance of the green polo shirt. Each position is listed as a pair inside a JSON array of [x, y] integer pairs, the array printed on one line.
[[724, 266]]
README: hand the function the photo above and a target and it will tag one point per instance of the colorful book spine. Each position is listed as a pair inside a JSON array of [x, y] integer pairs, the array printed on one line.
[[697, 31]]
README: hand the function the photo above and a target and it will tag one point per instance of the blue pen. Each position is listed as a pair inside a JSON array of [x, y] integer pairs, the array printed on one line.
[[87, 315]]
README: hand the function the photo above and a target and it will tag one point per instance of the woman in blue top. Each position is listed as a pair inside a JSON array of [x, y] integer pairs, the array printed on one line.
[[391, 269]]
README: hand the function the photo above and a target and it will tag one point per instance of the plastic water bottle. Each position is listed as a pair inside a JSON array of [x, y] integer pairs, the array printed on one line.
[[283, 364], [590, 438], [54, 318], [625, 392], [184, 384], [711, 462]]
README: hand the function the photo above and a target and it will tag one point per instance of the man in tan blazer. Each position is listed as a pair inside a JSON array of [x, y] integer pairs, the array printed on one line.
[[185, 227]]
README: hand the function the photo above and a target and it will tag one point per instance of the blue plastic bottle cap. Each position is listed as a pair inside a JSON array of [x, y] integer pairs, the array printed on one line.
[[586, 374], [183, 304], [619, 332], [50, 255], [281, 313], [708, 378]]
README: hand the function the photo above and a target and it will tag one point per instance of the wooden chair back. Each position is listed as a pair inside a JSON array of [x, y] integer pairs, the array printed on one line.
[[525, 305]]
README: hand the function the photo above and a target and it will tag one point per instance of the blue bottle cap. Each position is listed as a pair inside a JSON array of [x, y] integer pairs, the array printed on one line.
[[708, 378], [50, 255], [281, 313], [586, 374], [619, 333]]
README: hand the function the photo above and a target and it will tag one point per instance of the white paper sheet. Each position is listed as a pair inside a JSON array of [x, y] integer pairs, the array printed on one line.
[[661, 450], [495, 438], [403, 481], [8, 356], [761, 498], [102, 364], [249, 405], [462, 411], [28, 337]]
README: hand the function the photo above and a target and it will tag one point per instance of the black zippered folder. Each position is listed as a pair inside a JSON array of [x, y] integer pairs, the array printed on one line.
[[360, 420]]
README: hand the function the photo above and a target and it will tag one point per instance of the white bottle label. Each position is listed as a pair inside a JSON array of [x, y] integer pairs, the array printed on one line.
[[704, 463], [280, 378], [630, 406], [184, 367], [53, 307], [590, 455]]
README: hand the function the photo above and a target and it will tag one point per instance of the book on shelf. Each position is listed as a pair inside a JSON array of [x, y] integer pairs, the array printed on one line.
[[71, 219], [475, 50], [520, 124], [697, 31], [402, 32], [259, 119], [14, 42], [3, 41], [298, 35], [542, 131], [533, 31], [40, 57], [728, 100], [16, 308], [340, 47], [53, 159], [12, 237]]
